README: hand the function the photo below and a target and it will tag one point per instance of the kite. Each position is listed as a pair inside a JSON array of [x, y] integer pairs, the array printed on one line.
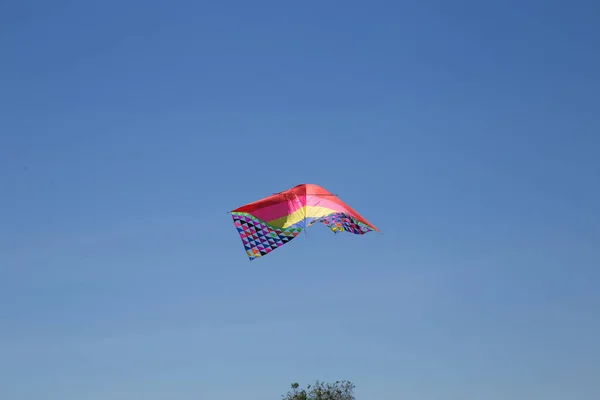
[[269, 223]]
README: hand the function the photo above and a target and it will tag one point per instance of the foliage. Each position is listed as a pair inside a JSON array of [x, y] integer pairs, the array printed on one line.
[[340, 390]]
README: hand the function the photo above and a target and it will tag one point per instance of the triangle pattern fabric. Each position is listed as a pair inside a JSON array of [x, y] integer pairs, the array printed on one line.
[[258, 237], [340, 222]]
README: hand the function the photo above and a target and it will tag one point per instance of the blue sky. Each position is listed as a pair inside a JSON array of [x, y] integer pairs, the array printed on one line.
[[466, 131]]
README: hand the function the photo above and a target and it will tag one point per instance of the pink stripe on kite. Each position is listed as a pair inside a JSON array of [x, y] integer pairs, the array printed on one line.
[[279, 210], [284, 208], [317, 201]]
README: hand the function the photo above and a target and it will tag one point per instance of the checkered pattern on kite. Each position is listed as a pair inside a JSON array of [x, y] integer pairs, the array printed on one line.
[[339, 222], [260, 238]]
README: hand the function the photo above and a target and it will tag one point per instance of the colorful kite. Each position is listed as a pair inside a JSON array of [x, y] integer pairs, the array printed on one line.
[[271, 222]]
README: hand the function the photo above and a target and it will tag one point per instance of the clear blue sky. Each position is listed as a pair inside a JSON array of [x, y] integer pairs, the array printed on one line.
[[467, 131]]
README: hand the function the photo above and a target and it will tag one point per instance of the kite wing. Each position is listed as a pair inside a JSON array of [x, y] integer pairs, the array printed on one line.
[[271, 222]]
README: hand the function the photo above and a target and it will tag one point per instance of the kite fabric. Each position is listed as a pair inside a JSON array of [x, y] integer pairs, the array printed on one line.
[[269, 223]]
